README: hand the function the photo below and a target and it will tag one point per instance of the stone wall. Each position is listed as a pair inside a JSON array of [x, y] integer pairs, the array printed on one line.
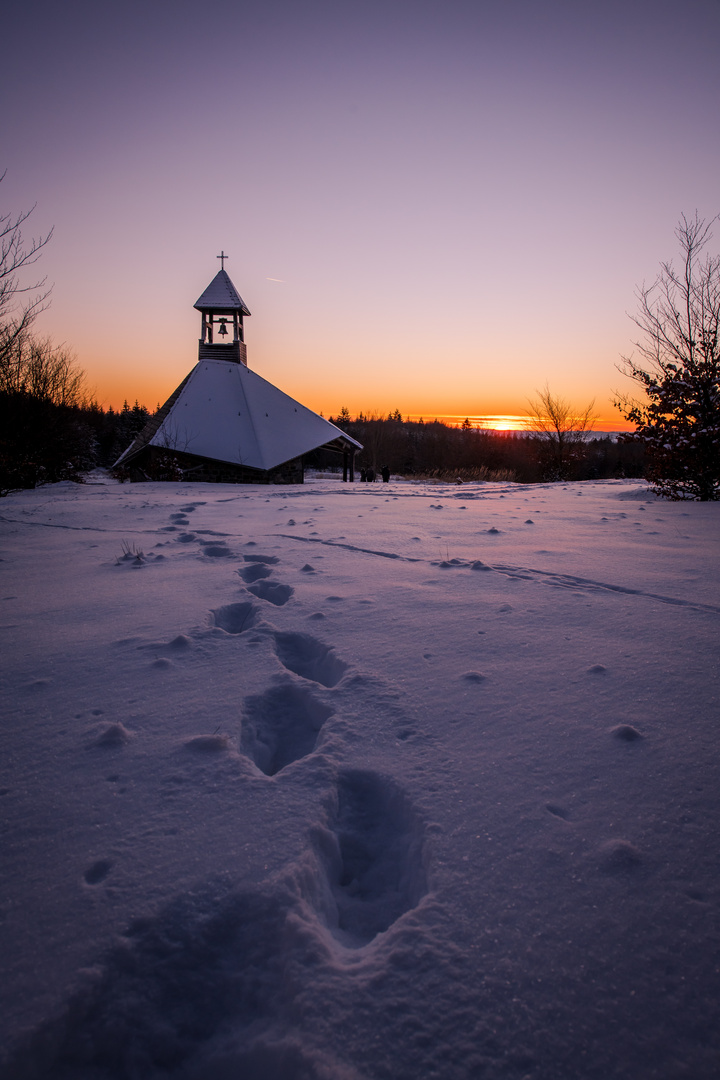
[[157, 463]]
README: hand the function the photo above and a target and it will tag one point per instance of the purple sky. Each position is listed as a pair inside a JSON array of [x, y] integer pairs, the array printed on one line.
[[458, 199]]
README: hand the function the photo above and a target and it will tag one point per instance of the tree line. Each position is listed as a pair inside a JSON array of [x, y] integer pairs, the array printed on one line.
[[434, 450], [51, 429]]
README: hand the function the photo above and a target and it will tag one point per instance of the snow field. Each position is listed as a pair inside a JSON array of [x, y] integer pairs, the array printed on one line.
[[365, 782]]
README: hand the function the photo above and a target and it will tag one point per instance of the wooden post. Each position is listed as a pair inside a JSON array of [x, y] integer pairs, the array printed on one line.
[[352, 467]]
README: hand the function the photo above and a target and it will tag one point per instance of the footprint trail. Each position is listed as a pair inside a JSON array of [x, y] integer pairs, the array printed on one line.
[[282, 726], [304, 655], [373, 858]]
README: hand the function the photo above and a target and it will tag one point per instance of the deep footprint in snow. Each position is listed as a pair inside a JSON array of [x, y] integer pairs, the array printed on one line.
[[374, 860], [216, 551], [254, 572], [235, 618], [281, 726], [311, 659], [272, 591]]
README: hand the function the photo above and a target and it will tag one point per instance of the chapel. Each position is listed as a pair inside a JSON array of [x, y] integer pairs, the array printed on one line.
[[226, 424]]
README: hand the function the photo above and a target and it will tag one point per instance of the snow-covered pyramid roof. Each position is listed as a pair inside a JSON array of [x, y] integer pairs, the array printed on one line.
[[227, 412], [221, 295]]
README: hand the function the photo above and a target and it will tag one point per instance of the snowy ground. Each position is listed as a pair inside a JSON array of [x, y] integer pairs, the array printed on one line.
[[350, 782]]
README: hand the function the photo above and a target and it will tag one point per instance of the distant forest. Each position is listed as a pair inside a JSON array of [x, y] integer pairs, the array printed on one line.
[[42, 442], [438, 451]]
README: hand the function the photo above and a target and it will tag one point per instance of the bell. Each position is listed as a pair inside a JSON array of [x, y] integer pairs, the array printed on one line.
[[223, 328]]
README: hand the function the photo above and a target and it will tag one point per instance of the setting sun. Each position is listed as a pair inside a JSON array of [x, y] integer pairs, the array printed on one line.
[[503, 423], [492, 422]]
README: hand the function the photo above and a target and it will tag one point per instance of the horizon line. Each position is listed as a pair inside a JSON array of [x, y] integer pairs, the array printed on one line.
[[502, 421]]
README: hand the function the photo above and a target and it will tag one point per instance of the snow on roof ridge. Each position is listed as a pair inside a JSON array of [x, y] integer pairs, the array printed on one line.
[[221, 295]]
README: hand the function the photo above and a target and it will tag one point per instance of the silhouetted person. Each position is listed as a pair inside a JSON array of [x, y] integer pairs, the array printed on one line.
[[363, 476], [385, 471], [370, 476]]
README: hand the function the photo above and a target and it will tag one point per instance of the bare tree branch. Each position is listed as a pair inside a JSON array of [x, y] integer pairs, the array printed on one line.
[[16, 315], [678, 369], [561, 429]]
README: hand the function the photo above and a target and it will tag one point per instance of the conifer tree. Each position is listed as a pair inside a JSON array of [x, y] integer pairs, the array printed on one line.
[[679, 371]]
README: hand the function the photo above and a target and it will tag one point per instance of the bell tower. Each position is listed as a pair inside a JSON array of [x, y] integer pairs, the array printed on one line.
[[222, 310]]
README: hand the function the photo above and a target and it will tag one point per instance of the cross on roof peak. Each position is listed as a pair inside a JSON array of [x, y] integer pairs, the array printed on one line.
[[222, 257]]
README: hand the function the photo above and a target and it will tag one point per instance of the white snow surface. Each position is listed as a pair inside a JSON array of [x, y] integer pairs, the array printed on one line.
[[341, 782], [228, 412]]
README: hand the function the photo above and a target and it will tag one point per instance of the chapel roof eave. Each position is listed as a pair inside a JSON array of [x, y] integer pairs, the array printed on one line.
[[342, 442], [225, 412]]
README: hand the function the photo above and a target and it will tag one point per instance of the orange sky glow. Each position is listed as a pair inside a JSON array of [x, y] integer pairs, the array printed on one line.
[[113, 386], [518, 423], [439, 215]]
